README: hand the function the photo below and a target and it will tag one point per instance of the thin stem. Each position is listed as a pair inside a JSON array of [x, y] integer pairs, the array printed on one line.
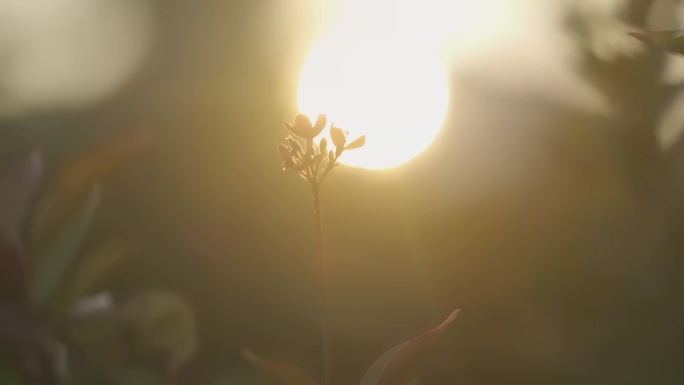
[[315, 188]]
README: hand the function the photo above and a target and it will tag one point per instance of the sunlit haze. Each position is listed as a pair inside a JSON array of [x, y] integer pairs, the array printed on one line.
[[388, 86]]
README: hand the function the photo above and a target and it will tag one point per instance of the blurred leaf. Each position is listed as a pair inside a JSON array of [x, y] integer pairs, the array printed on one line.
[[8, 376], [60, 363], [14, 329], [54, 262], [17, 191], [94, 305], [161, 323], [388, 368], [93, 165], [12, 272], [92, 320], [135, 376], [285, 374], [91, 269], [672, 40], [77, 175]]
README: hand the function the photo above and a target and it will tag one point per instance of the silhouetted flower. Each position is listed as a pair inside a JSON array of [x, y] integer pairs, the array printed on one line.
[[323, 146], [303, 128], [288, 158]]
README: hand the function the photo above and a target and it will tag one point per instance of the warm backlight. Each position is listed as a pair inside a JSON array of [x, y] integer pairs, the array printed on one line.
[[389, 86]]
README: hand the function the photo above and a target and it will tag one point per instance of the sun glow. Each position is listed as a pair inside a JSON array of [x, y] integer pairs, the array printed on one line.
[[389, 86]]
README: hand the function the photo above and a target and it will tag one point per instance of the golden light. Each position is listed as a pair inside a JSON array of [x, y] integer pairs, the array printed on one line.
[[388, 85]]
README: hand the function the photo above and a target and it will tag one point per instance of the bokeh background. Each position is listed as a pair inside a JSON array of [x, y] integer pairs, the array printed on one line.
[[549, 208]]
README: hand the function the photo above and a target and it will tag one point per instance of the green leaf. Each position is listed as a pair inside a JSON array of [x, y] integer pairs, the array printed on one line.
[[285, 374], [94, 266], [54, 261], [9, 376], [389, 367]]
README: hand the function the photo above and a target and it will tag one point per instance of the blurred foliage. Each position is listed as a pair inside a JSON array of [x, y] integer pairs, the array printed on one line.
[[54, 329], [560, 231]]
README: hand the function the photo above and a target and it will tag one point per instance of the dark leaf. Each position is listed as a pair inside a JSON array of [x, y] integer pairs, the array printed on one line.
[[285, 374], [389, 367], [76, 177], [17, 192], [55, 260], [15, 329], [93, 267]]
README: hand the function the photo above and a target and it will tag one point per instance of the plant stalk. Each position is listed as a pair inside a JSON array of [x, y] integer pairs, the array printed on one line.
[[327, 375]]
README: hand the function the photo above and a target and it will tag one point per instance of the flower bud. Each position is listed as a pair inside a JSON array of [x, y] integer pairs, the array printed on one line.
[[323, 146]]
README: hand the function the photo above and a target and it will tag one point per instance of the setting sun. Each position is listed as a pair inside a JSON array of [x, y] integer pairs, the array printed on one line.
[[391, 87]]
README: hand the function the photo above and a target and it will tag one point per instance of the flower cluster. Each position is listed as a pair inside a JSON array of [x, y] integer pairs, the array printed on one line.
[[314, 161]]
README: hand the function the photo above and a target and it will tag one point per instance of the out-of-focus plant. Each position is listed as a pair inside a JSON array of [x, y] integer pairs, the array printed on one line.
[[53, 329], [313, 161]]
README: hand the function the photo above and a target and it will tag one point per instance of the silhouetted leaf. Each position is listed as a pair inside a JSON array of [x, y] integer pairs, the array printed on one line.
[[55, 260], [17, 192], [387, 369], [285, 374]]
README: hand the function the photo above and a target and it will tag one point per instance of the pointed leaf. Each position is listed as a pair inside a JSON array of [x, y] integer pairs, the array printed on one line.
[[672, 40], [285, 374], [75, 177], [92, 165], [92, 269], [12, 273], [388, 368], [55, 261], [17, 191]]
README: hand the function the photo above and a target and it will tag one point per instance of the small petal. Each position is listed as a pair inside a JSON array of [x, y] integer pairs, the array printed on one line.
[[338, 137], [320, 124], [302, 123], [357, 143]]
